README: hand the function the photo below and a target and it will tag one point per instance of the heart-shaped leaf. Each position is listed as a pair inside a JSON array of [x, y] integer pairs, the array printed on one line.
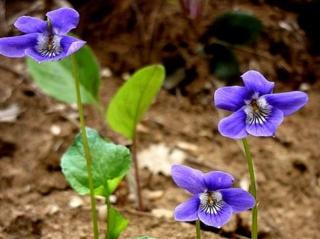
[[237, 28], [223, 63], [110, 162]]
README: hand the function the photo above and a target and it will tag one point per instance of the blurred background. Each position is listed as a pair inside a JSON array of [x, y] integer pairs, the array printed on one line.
[[203, 44]]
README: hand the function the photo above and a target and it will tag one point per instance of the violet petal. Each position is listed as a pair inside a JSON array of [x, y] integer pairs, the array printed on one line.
[[17, 46], [30, 24], [288, 102], [269, 127], [188, 178], [230, 98], [239, 199], [255, 82], [216, 220], [68, 44], [35, 55], [188, 210], [217, 180], [234, 126], [63, 20], [71, 44]]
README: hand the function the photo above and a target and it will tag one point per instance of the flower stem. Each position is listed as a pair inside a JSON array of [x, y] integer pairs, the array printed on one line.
[[198, 232], [86, 149], [108, 204], [136, 172], [252, 189]]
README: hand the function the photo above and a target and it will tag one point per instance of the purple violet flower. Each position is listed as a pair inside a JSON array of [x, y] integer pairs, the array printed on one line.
[[213, 201], [44, 40], [257, 111]]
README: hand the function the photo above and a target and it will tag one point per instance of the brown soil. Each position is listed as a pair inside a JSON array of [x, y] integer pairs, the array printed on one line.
[[35, 198]]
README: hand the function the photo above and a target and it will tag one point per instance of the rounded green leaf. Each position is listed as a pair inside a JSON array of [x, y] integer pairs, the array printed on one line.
[[110, 162], [224, 64], [237, 27], [134, 98], [56, 79]]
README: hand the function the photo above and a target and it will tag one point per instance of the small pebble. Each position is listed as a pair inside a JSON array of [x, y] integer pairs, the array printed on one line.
[[102, 212], [75, 202], [55, 130], [305, 87], [125, 76], [113, 199], [153, 195], [106, 72], [187, 146], [161, 213], [244, 184], [285, 25], [74, 106], [52, 209]]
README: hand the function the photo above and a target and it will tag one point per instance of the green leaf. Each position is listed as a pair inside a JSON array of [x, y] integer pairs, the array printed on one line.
[[56, 79], [133, 99], [224, 64], [116, 224], [113, 184], [109, 188], [237, 28], [110, 162]]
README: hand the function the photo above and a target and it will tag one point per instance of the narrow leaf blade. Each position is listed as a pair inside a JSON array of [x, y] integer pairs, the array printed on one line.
[[116, 224], [134, 98]]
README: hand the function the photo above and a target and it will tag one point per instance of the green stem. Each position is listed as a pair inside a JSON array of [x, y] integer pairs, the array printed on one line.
[[252, 189], [198, 232], [87, 153], [108, 216]]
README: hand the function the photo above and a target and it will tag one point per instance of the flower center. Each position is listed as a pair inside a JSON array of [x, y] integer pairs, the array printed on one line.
[[211, 202], [48, 44], [257, 110]]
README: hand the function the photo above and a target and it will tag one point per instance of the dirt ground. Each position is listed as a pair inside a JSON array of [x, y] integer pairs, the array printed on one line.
[[35, 199]]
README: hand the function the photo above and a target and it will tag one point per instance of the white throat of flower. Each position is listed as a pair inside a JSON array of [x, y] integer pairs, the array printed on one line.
[[211, 202], [257, 110], [48, 45]]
